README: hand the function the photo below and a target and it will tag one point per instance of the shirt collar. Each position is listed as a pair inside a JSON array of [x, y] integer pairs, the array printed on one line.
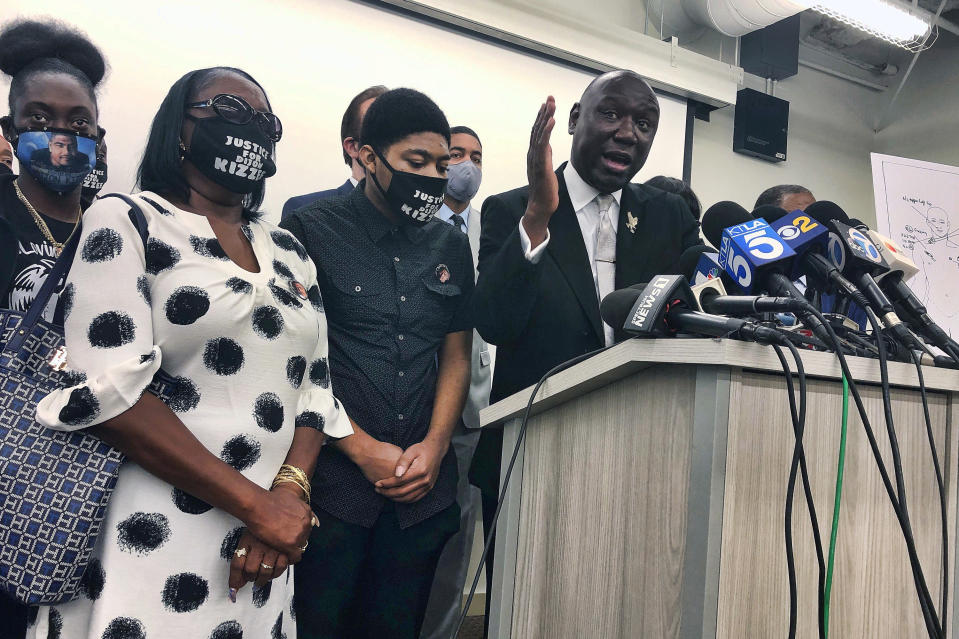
[[376, 224], [354, 181], [445, 213], [581, 193]]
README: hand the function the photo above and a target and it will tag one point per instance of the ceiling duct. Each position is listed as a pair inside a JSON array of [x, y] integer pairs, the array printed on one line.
[[729, 17]]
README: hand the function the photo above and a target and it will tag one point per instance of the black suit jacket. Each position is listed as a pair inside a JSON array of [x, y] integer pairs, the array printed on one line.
[[299, 201], [540, 315]]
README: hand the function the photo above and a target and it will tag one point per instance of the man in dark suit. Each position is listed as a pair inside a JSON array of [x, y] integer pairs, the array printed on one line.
[[550, 251], [350, 136]]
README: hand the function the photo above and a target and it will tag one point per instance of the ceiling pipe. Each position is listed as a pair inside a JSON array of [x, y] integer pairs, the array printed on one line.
[[738, 17]]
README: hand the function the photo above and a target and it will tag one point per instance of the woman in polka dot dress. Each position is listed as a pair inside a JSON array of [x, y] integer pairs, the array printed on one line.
[[228, 305]]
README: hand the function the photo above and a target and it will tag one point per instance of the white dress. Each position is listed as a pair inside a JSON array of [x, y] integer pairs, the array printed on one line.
[[249, 351]]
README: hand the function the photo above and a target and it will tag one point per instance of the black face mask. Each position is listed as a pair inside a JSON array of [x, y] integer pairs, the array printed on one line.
[[236, 156], [5, 170], [93, 183], [413, 197]]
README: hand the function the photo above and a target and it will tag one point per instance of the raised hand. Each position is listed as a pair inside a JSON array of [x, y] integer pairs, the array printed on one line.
[[543, 185]]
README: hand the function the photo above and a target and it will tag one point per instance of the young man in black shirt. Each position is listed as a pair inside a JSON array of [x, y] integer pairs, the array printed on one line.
[[396, 285]]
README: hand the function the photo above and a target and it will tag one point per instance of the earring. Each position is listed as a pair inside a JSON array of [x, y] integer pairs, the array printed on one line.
[[183, 151]]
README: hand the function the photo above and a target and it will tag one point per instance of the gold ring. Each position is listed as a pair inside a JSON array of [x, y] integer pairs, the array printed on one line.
[[240, 552], [266, 566]]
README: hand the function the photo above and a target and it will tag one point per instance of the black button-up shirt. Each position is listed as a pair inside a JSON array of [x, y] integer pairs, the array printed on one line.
[[391, 294]]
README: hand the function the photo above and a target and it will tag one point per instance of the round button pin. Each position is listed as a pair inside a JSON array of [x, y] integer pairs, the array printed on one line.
[[299, 290]]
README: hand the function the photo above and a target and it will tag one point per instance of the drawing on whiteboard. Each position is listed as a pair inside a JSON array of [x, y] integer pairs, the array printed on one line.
[[935, 251], [917, 204]]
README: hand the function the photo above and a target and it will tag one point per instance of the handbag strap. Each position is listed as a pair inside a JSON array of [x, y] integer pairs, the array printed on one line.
[[62, 267], [57, 273], [136, 216]]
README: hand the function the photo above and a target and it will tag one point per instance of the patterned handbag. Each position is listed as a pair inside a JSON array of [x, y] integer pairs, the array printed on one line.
[[54, 485]]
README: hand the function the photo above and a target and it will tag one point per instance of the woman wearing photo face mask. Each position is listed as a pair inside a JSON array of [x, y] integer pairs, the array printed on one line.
[[54, 71], [52, 127], [215, 490]]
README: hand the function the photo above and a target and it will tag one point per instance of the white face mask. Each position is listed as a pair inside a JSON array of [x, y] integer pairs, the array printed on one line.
[[464, 180]]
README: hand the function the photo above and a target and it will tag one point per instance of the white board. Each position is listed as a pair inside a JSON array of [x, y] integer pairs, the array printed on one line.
[[312, 57], [917, 205]]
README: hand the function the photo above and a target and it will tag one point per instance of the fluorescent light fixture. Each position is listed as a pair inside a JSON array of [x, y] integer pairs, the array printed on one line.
[[881, 19]]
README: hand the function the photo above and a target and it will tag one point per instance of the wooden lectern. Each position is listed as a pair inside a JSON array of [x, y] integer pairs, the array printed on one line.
[[647, 500]]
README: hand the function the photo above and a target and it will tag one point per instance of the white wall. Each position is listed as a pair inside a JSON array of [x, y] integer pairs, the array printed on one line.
[[312, 58], [830, 137]]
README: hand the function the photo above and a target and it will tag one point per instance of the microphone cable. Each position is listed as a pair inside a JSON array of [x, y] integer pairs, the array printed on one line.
[[932, 626], [509, 473], [942, 494], [799, 462], [929, 612], [837, 498]]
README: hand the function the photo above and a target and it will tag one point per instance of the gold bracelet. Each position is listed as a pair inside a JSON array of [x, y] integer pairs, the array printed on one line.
[[298, 478], [293, 475], [288, 470], [283, 480], [290, 480]]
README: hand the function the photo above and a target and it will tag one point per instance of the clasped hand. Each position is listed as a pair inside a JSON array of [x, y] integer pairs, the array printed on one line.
[[403, 476], [276, 534]]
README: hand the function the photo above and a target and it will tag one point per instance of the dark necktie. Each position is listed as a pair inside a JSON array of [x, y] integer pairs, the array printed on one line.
[[458, 221]]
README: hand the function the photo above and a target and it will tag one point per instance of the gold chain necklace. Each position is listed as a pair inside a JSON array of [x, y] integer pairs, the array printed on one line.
[[44, 229]]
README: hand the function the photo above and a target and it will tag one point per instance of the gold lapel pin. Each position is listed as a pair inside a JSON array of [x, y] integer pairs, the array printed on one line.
[[631, 222]]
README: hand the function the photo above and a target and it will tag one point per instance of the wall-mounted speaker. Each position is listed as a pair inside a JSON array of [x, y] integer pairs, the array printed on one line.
[[761, 125]]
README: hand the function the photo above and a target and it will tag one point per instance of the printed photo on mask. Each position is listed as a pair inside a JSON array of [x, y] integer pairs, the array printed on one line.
[[57, 159]]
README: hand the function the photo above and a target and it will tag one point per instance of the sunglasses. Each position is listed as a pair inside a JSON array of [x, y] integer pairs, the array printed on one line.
[[235, 109]]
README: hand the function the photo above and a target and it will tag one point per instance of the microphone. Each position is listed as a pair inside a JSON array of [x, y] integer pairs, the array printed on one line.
[[893, 283], [749, 250], [771, 213], [895, 258], [810, 240], [700, 263], [701, 268], [663, 307], [756, 257], [857, 257]]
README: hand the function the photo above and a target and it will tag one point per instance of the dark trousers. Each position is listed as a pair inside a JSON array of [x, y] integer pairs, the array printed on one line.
[[14, 617], [357, 582], [484, 474]]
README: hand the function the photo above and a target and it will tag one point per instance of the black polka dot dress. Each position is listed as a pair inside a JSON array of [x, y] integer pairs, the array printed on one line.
[[245, 349]]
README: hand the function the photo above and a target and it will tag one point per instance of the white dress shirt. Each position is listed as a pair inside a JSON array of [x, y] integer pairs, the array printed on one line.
[[354, 181], [582, 196]]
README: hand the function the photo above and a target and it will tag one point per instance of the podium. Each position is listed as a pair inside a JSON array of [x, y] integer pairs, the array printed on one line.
[[647, 500]]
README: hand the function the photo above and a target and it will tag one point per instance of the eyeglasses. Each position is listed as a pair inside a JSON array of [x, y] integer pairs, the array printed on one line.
[[235, 109]]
